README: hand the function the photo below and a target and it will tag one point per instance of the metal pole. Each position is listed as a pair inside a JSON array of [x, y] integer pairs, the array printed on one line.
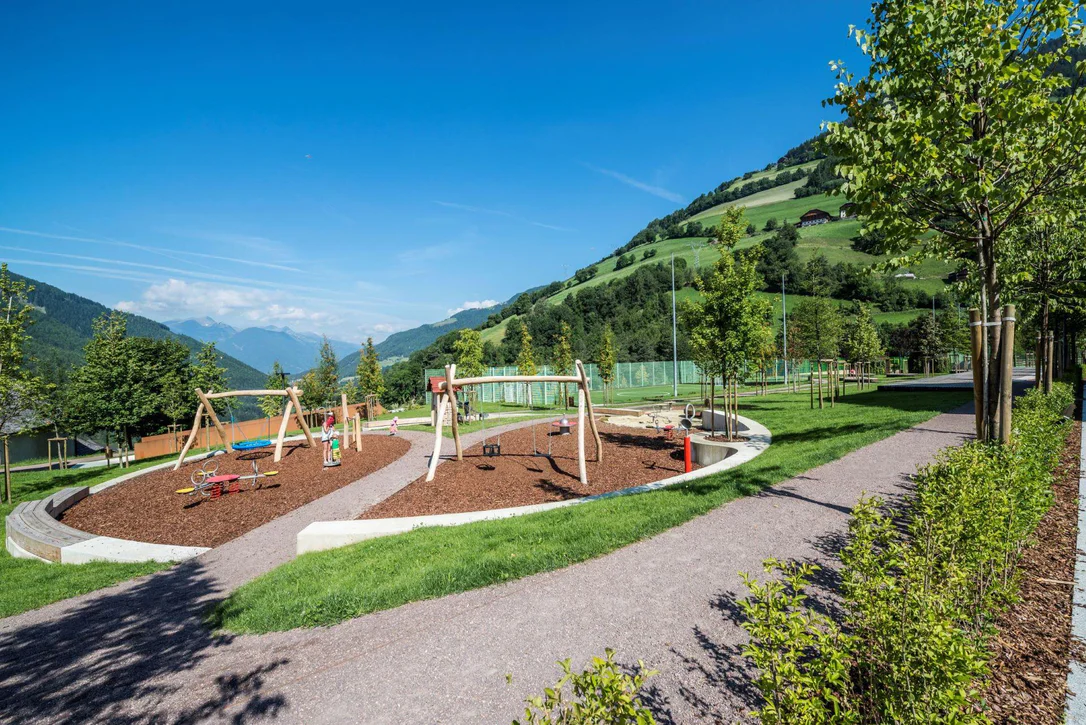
[[784, 311], [674, 335]]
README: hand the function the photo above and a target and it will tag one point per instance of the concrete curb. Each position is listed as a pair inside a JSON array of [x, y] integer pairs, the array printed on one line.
[[1076, 676], [322, 535]]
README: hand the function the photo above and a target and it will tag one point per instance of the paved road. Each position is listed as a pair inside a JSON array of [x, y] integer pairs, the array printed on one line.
[[1022, 377], [137, 652]]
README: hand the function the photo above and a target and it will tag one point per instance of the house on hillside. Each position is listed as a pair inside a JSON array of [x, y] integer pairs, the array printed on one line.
[[27, 443], [847, 211], [814, 216]]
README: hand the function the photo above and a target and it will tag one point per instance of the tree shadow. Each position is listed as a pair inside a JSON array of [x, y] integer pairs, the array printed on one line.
[[116, 656]]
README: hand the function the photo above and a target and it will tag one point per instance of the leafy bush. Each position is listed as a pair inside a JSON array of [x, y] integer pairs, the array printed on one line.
[[919, 593], [603, 694], [648, 254], [624, 261]]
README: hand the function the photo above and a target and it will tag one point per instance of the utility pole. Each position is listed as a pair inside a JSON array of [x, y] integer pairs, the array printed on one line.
[[784, 336], [674, 335]]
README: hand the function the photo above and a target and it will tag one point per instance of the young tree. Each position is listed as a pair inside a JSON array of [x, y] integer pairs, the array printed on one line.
[[20, 392], [468, 349], [860, 343], [563, 356], [959, 129], [272, 405], [525, 356], [160, 372], [817, 324], [370, 380], [605, 361], [209, 376]]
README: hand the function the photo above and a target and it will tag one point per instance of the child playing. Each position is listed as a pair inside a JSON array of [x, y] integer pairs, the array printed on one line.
[[395, 425], [328, 433]]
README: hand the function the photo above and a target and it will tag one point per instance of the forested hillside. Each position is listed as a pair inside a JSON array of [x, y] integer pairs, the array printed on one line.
[[629, 290], [62, 326]]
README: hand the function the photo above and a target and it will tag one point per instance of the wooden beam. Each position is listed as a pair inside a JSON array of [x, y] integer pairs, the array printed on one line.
[[450, 386], [442, 399], [243, 393], [282, 432], [580, 435], [357, 431], [192, 436], [591, 412], [346, 421], [293, 394], [214, 419], [515, 379]]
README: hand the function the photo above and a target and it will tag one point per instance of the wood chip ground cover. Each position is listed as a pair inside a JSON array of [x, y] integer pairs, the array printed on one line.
[[147, 508]]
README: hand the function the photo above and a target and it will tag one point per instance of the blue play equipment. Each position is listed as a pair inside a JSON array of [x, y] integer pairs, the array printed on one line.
[[245, 445]]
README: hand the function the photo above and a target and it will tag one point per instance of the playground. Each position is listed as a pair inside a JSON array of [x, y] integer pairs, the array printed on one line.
[[148, 508], [537, 464]]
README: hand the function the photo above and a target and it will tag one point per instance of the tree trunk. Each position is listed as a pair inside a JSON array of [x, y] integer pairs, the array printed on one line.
[[811, 379], [7, 473], [990, 312], [820, 404], [712, 406]]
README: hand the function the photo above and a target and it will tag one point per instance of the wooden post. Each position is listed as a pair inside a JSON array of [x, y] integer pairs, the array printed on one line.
[[1006, 382], [1049, 361], [1038, 378], [442, 399], [192, 436], [346, 421], [580, 435], [976, 338], [357, 431], [450, 390], [214, 420], [292, 393], [7, 472], [282, 431], [591, 413]]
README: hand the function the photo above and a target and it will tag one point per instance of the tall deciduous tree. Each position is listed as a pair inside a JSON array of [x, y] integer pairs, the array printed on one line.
[[525, 355], [860, 343], [325, 379], [272, 405], [20, 392], [468, 349], [102, 393], [370, 380], [960, 129], [209, 376]]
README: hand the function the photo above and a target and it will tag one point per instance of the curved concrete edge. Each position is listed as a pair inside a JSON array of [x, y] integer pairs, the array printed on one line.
[[1076, 675], [322, 535], [20, 553], [107, 548]]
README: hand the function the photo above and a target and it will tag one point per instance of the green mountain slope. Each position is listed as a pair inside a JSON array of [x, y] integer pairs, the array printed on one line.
[[62, 326]]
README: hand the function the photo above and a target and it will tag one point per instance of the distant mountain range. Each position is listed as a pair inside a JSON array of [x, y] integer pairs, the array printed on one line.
[[62, 326], [260, 346]]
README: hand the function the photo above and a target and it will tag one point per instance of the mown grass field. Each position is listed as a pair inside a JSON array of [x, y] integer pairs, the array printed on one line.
[[326, 587], [29, 584]]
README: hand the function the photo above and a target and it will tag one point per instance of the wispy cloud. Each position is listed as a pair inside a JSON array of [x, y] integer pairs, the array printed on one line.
[[429, 253], [506, 214], [630, 181], [473, 305]]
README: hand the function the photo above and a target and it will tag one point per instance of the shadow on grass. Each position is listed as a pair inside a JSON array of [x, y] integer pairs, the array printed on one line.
[[115, 657]]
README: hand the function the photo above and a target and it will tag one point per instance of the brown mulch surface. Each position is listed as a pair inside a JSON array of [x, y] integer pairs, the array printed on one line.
[[517, 478], [148, 509], [1031, 653]]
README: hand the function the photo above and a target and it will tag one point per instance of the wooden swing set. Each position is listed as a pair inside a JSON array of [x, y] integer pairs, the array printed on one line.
[[294, 408], [446, 392]]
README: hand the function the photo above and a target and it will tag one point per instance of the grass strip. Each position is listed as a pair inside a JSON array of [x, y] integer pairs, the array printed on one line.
[[327, 587], [28, 583]]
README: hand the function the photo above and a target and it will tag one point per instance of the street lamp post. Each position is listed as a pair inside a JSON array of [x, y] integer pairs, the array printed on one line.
[[674, 335]]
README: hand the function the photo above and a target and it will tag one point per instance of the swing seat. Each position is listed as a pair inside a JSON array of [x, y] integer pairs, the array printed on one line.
[[492, 449], [250, 445]]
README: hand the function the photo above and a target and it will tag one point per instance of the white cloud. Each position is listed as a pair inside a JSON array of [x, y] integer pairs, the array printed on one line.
[[473, 305], [630, 181], [178, 298]]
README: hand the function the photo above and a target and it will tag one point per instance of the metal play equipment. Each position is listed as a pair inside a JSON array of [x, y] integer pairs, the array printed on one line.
[[445, 391], [294, 407]]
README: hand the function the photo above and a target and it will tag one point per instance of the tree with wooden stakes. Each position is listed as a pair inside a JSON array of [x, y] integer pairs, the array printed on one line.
[[605, 363], [21, 392], [958, 133], [563, 357], [368, 372], [817, 322], [860, 343], [525, 355]]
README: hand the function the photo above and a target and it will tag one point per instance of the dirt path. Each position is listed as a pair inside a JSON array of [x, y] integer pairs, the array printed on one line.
[[668, 600]]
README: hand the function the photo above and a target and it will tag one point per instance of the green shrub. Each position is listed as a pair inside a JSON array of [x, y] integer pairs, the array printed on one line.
[[920, 591], [603, 694]]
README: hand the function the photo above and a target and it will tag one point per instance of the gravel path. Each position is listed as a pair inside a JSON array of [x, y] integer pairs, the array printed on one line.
[[137, 653]]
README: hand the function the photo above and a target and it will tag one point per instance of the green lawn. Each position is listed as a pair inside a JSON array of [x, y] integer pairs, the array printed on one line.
[[326, 587], [29, 584]]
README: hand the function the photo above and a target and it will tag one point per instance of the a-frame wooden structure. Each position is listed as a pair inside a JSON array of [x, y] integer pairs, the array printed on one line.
[[294, 408]]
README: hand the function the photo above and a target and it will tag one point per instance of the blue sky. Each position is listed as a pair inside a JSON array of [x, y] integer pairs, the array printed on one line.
[[358, 170]]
